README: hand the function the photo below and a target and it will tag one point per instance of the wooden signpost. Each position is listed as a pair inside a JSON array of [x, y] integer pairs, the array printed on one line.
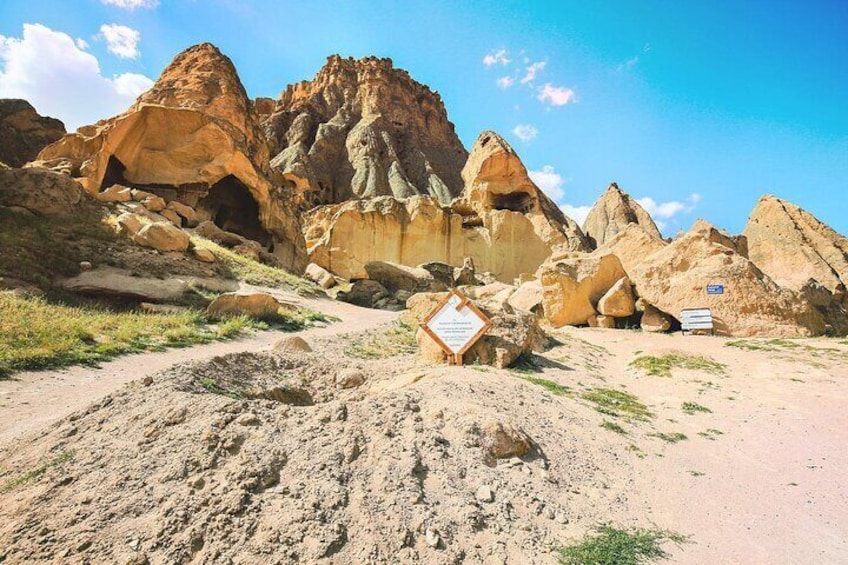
[[455, 325]]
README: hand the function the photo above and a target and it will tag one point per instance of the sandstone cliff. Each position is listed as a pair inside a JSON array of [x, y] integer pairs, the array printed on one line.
[[612, 213], [23, 132], [193, 138], [363, 129], [793, 246], [502, 221]]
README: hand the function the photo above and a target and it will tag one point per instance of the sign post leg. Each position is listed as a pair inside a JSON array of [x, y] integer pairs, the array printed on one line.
[[458, 359]]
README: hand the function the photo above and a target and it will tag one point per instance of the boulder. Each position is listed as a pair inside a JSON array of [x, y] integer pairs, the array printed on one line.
[[115, 193], [605, 322], [349, 378], [320, 276], [528, 297], [612, 213], [573, 286], [196, 138], [117, 283], [186, 212], [441, 272], [655, 320], [396, 277], [511, 335], [494, 296], [162, 236], [632, 245], [23, 132], [504, 440], [364, 292], [254, 304], [172, 217], [210, 231], [618, 301], [676, 277], [465, 275], [203, 254], [40, 191], [154, 203], [129, 223], [292, 344]]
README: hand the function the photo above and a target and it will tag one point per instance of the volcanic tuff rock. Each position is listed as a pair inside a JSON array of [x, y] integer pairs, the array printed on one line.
[[23, 132], [676, 277], [502, 221], [612, 213], [573, 286], [738, 243], [632, 245], [40, 191], [194, 138], [792, 246], [363, 129]]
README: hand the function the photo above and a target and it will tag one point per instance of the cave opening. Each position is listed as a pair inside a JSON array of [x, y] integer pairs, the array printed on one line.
[[232, 208], [114, 173], [515, 201]]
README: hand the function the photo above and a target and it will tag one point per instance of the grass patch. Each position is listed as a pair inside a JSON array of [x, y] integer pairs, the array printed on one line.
[[37, 334], [397, 340], [613, 427], [711, 434], [36, 473], [662, 366], [255, 273], [697, 473], [617, 403], [692, 407], [763, 345], [552, 387], [608, 545], [674, 437]]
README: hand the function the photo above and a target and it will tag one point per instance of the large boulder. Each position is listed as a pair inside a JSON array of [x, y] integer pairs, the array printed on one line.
[[40, 191], [109, 282], [254, 304], [573, 286], [194, 138], [613, 212], [512, 334], [528, 297], [676, 277], [162, 236], [502, 221], [395, 277], [23, 132], [362, 129], [618, 301]]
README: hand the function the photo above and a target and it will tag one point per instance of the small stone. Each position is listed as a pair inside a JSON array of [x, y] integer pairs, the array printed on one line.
[[134, 544], [85, 265], [248, 419], [432, 538], [147, 381], [292, 344], [350, 378], [202, 254], [154, 203], [485, 494]]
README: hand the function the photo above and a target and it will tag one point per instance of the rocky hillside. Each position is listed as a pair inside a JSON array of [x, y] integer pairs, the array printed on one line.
[[23, 132], [363, 129], [612, 213]]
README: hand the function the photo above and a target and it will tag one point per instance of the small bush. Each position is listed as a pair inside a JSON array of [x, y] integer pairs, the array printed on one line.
[[617, 403], [662, 366], [612, 546]]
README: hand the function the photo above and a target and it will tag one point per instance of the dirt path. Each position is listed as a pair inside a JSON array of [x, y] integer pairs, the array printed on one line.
[[32, 400]]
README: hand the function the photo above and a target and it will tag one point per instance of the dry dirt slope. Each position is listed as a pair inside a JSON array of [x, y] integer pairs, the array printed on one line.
[[263, 458]]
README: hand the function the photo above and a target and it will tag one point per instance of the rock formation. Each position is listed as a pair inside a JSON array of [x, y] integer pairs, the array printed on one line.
[[23, 132], [502, 221], [40, 192], [676, 277], [362, 129], [632, 245], [792, 246], [738, 243], [573, 286], [192, 138], [612, 213]]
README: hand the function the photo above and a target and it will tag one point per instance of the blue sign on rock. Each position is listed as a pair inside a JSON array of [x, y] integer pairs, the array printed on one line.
[[715, 289]]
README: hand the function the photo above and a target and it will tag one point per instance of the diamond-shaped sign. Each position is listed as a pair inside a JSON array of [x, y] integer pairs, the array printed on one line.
[[455, 324]]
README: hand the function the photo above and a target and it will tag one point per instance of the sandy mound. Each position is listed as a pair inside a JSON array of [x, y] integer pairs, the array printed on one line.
[[266, 458]]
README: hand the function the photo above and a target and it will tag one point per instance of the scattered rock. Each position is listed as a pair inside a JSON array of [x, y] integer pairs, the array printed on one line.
[[85, 265], [528, 297], [432, 538], [129, 224], [320, 276], [162, 236], [203, 254], [605, 322], [115, 193], [292, 344], [154, 203], [573, 286], [172, 217], [618, 301], [254, 304], [655, 320], [364, 292], [186, 212], [484, 494], [350, 378], [396, 277], [502, 441]]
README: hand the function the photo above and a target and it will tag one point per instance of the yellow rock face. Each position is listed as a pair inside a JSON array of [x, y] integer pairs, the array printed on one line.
[[573, 286], [612, 213], [192, 138], [632, 245], [501, 220]]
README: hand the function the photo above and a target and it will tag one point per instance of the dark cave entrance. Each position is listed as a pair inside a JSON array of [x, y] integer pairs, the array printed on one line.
[[515, 201], [114, 173], [232, 208]]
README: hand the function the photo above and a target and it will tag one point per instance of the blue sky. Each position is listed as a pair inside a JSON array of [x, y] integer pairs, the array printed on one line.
[[696, 108]]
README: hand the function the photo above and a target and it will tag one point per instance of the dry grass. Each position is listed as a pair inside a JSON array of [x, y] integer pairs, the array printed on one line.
[[661, 366]]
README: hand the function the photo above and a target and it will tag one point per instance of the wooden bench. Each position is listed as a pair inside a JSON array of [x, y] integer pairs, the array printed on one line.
[[696, 319]]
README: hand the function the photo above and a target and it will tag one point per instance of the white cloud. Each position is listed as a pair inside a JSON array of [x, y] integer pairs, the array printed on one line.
[[525, 132], [131, 4], [628, 64], [532, 70], [556, 95], [47, 68], [576, 213], [667, 210], [121, 40], [499, 57], [82, 43], [549, 181], [505, 82]]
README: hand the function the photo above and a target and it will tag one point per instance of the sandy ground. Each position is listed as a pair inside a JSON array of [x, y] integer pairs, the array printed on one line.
[[761, 478], [32, 400]]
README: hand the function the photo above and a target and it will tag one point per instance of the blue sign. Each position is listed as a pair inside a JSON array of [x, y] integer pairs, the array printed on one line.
[[715, 289]]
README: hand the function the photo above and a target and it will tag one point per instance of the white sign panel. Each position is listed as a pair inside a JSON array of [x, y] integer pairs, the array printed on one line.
[[456, 328], [696, 319]]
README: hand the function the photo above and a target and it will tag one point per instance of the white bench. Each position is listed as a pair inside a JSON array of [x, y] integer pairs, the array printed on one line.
[[696, 319]]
